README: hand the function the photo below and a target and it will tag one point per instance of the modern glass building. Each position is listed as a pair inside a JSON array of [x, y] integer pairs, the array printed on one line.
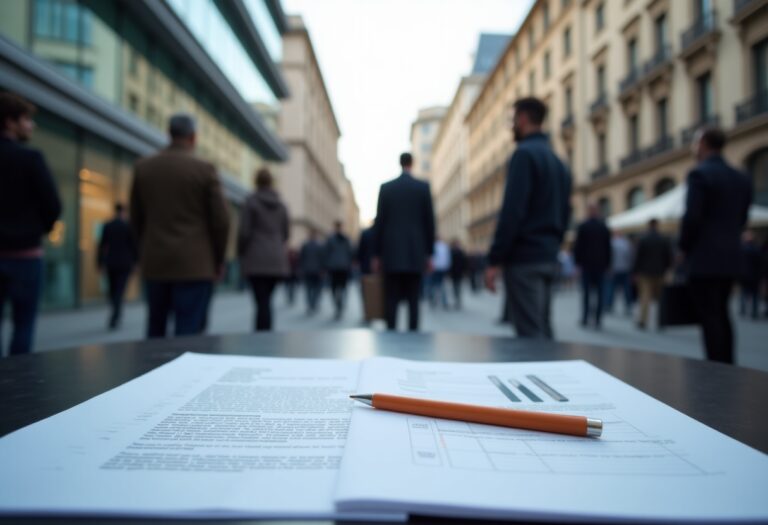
[[107, 74]]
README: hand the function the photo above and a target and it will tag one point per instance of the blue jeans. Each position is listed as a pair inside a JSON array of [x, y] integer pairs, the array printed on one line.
[[186, 301], [618, 282], [20, 283]]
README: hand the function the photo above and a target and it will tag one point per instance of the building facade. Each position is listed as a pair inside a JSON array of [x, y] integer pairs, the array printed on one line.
[[106, 75], [311, 181], [627, 83], [351, 219], [450, 154], [423, 134]]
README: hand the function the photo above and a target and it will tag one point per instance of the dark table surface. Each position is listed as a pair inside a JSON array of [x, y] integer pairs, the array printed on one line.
[[727, 398]]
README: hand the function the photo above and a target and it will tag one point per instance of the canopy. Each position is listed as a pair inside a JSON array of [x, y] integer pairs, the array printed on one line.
[[668, 209]]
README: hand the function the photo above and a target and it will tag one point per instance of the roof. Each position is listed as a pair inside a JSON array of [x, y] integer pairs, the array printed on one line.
[[489, 49]]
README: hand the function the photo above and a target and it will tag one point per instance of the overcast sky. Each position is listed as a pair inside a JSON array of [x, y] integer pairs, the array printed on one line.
[[382, 60]]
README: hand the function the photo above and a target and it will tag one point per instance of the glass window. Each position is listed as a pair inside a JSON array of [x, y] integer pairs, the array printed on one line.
[[604, 205], [602, 152], [601, 80], [567, 42], [663, 186], [568, 101], [760, 64], [545, 15], [547, 70], [660, 31], [704, 95], [632, 54], [265, 24], [426, 127], [62, 20], [634, 133], [662, 117], [600, 16], [532, 83], [635, 197]]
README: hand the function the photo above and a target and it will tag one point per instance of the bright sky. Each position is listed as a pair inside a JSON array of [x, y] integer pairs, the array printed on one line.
[[382, 60]]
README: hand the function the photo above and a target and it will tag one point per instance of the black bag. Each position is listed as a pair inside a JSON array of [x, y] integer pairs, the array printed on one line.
[[676, 307]]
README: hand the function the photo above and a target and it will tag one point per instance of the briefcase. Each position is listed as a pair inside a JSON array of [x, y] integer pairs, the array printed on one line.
[[676, 307], [373, 296]]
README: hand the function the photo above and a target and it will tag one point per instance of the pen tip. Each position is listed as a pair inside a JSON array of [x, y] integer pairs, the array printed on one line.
[[363, 398]]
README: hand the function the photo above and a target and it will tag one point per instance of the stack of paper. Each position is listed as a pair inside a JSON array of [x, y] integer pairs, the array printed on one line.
[[249, 437]]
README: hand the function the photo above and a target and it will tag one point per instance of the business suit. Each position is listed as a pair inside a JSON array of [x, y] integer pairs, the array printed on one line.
[[404, 241], [117, 255], [182, 224], [717, 209], [592, 253], [534, 217]]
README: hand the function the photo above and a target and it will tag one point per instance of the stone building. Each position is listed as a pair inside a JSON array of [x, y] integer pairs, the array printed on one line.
[[627, 83], [423, 133]]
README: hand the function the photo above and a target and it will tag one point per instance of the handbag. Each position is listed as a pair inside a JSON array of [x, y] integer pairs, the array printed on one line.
[[373, 296]]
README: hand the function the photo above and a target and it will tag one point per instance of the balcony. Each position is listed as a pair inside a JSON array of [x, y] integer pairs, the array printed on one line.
[[754, 107], [599, 108], [633, 158], [567, 127], [630, 84], [743, 10], [658, 64], [703, 34], [687, 134], [601, 172], [663, 145]]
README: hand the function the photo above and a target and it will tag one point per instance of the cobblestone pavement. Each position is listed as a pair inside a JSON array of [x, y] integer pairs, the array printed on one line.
[[232, 313]]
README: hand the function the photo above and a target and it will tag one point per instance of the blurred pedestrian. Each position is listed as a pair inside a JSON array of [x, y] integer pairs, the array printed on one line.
[[567, 269], [620, 278], [262, 239], [764, 274], [338, 263], [293, 275], [404, 241], [652, 261], [441, 265], [181, 222], [749, 280], [458, 271], [29, 207], [592, 254], [117, 256], [476, 269], [311, 268], [716, 211], [534, 217], [364, 253]]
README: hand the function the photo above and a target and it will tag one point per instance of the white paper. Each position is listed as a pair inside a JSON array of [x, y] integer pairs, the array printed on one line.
[[651, 464], [202, 436]]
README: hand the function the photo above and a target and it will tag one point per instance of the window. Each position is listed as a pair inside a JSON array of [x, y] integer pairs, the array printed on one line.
[[531, 39], [704, 97], [604, 205], [634, 133], [600, 17], [532, 83], [601, 80], [635, 197], [760, 64], [663, 186], [426, 147], [702, 7], [567, 42], [517, 57], [545, 15], [547, 70], [660, 32], [426, 127], [83, 75], [133, 103], [632, 55], [568, 101], [602, 152], [62, 20], [662, 118]]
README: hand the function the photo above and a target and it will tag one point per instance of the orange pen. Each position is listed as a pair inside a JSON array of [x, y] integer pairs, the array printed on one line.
[[503, 417]]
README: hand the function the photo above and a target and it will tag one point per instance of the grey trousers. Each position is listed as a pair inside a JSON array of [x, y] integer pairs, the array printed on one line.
[[529, 291]]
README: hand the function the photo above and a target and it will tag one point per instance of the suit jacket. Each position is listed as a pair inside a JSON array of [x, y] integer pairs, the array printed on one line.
[[179, 216], [404, 236], [29, 201], [117, 247], [654, 255], [263, 234], [338, 253], [365, 250], [592, 250], [536, 209], [716, 211]]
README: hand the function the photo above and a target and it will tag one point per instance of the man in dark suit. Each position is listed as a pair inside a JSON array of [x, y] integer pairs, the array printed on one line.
[[29, 207], [592, 253], [716, 211], [534, 216], [404, 241], [311, 267], [182, 224], [653, 260], [117, 256]]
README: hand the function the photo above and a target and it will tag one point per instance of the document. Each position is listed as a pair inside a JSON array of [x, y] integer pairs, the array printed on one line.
[[202, 436], [652, 463]]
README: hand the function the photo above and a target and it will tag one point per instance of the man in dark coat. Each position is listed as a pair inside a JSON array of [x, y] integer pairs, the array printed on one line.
[[716, 211], [592, 253], [29, 207], [534, 217], [404, 241], [117, 255], [653, 259], [458, 270], [338, 262], [311, 266]]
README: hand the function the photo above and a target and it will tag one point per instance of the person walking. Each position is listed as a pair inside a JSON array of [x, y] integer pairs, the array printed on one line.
[[441, 265], [620, 278], [749, 280], [181, 223], [592, 254], [404, 241], [716, 211], [293, 276], [652, 261], [29, 207], [338, 263], [458, 271], [534, 217], [262, 239], [117, 256], [311, 267]]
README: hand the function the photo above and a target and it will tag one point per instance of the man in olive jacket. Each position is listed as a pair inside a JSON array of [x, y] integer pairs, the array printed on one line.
[[181, 221]]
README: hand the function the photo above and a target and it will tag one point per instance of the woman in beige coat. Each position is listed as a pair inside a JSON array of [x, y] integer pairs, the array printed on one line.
[[262, 245]]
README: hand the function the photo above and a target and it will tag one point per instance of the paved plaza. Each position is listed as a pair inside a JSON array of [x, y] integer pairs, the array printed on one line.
[[232, 313]]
